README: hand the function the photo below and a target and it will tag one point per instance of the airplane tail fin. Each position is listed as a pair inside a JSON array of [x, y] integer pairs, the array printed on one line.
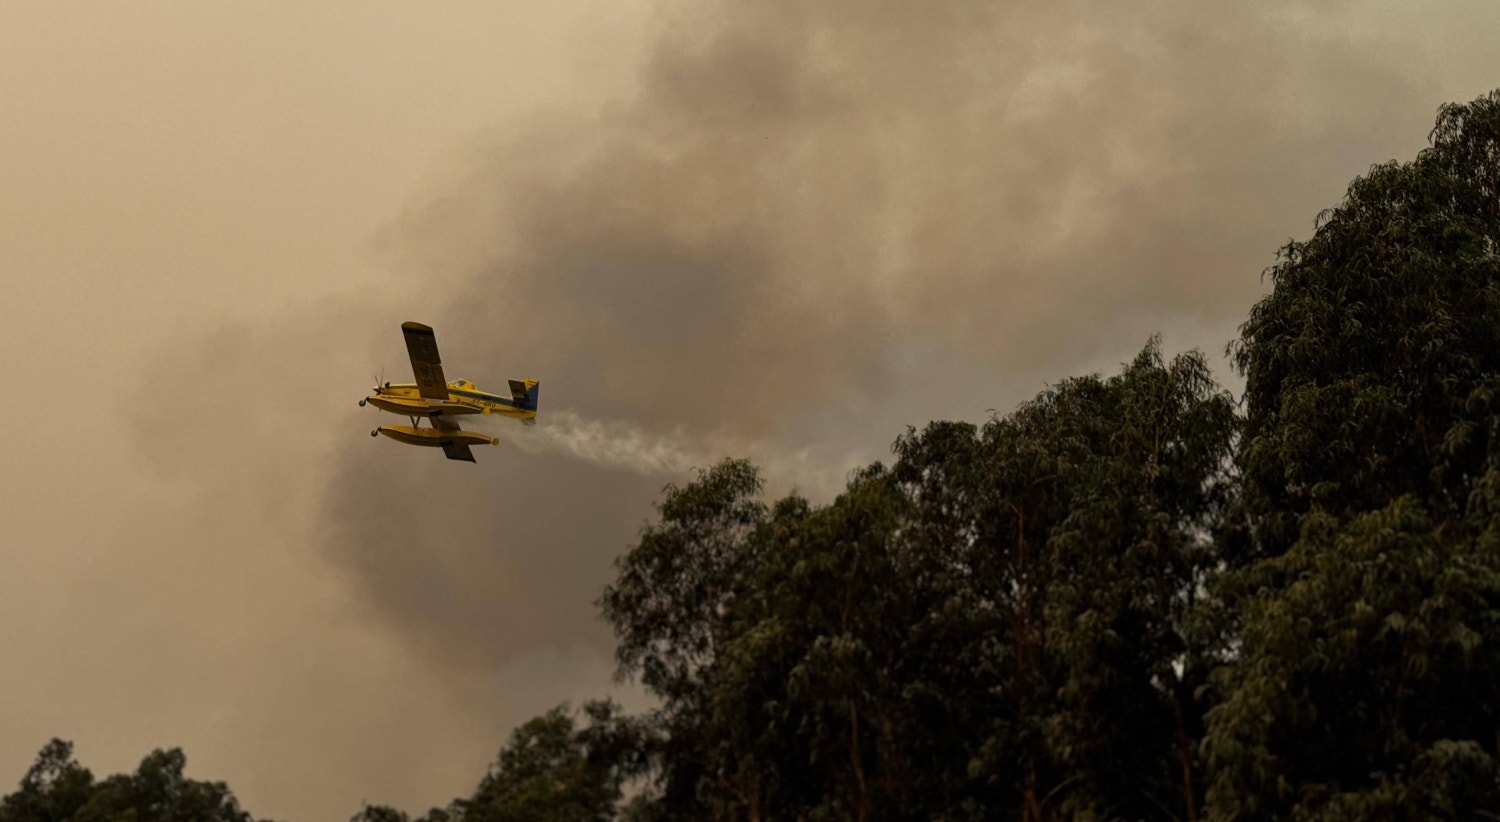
[[525, 393]]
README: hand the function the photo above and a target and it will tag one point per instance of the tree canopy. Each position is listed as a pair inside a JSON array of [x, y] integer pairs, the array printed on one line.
[[1363, 580], [57, 789], [995, 621]]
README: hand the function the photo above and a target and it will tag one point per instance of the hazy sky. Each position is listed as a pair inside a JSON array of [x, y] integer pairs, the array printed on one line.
[[763, 228]]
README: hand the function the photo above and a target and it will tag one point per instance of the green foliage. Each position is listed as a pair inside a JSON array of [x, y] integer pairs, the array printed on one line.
[[53, 790], [1368, 674], [1100, 497], [671, 607], [1371, 368], [379, 813], [668, 600], [1080, 548], [1361, 608], [553, 770], [981, 630], [57, 789]]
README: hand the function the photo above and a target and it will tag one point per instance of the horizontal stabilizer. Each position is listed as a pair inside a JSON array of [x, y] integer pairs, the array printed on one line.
[[458, 451], [518, 391]]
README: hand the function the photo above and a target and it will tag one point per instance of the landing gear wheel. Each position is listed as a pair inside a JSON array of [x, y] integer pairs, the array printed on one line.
[[361, 403], [375, 433]]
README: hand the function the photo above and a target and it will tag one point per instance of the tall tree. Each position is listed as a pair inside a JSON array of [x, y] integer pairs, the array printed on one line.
[[978, 632], [53, 789], [1361, 671], [1090, 525], [671, 608], [812, 677], [1371, 368]]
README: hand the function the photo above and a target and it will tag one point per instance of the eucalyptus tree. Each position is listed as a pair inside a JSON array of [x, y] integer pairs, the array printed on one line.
[[1361, 676], [553, 769], [57, 789], [1371, 368], [53, 789], [672, 607], [991, 628], [1091, 511]]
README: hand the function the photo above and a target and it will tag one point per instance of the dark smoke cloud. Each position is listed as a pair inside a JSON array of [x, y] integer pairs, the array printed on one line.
[[810, 225], [487, 565], [799, 193]]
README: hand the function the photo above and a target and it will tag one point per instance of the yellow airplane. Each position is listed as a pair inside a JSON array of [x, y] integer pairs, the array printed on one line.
[[439, 401]]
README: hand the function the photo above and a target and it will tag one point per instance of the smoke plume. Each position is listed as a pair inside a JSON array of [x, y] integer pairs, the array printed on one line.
[[741, 256], [804, 227]]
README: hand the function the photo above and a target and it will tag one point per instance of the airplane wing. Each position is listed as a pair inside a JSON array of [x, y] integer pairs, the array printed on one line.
[[421, 346], [458, 451]]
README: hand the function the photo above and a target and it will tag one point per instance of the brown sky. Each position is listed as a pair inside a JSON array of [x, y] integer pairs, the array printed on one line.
[[772, 228]]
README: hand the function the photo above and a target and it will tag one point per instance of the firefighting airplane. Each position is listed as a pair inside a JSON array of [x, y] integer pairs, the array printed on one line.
[[441, 401]]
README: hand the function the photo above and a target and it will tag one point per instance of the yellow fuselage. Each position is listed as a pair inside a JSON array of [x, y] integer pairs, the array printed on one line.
[[463, 398]]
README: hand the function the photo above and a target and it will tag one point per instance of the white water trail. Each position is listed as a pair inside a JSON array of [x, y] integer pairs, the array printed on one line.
[[624, 446]]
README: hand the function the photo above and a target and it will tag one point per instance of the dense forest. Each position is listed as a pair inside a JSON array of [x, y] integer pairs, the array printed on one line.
[[1134, 597]]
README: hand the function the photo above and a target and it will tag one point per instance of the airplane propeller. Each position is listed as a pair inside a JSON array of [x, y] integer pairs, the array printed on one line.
[[376, 390], [379, 381]]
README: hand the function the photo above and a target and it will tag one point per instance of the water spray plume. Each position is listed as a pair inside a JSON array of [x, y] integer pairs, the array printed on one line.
[[624, 446]]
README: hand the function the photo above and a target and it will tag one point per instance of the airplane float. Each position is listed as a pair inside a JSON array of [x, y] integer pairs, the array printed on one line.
[[441, 402]]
